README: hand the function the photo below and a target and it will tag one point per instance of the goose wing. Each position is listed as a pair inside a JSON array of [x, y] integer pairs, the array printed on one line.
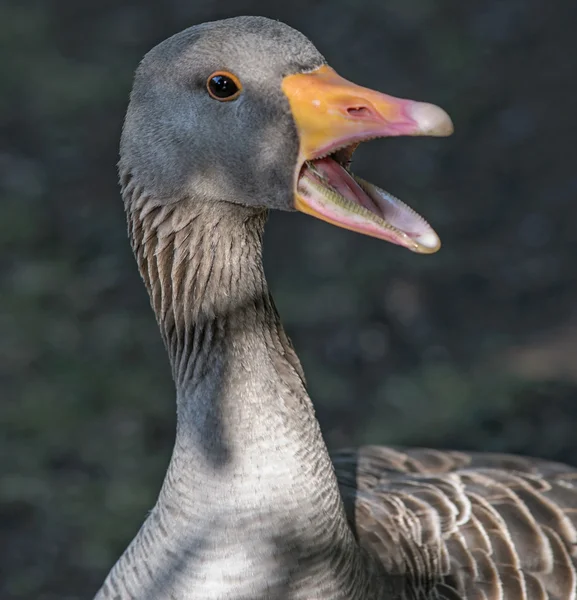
[[453, 525]]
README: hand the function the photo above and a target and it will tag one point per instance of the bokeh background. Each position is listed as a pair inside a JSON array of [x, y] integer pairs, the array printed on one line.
[[473, 348]]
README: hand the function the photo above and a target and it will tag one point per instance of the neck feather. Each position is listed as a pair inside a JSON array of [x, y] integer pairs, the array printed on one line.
[[250, 468]]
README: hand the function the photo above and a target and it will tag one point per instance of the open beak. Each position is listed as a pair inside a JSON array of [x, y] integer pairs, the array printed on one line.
[[333, 116]]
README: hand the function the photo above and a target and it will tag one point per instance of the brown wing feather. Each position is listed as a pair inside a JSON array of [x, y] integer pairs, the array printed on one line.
[[459, 526]]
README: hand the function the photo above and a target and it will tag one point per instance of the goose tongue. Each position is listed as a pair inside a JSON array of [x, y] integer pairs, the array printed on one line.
[[337, 196], [342, 182]]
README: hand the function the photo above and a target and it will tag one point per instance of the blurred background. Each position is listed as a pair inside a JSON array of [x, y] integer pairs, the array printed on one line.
[[472, 348]]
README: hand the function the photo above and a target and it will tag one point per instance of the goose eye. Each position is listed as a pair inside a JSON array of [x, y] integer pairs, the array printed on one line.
[[223, 86]]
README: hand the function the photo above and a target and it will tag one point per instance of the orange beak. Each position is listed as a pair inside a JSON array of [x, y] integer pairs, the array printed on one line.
[[332, 115]]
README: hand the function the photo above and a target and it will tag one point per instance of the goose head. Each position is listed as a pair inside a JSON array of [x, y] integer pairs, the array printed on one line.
[[246, 111]]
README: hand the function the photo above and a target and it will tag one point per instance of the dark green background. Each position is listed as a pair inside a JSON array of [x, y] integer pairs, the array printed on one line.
[[474, 347]]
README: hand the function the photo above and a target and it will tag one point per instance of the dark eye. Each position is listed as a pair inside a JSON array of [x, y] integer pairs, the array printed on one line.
[[223, 86]]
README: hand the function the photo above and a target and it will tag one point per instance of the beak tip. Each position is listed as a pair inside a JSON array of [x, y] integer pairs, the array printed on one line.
[[428, 243], [431, 119]]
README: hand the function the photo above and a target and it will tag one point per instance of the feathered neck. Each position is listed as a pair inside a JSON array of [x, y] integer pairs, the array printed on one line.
[[250, 492]]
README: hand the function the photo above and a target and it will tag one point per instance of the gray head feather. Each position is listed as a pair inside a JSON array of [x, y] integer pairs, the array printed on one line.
[[179, 142]]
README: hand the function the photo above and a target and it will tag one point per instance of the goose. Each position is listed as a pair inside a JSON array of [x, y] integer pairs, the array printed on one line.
[[227, 120]]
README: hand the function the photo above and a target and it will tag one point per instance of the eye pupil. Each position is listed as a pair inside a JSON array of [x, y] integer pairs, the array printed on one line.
[[222, 87]]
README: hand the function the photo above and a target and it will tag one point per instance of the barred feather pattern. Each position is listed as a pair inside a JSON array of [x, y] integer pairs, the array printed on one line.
[[464, 526]]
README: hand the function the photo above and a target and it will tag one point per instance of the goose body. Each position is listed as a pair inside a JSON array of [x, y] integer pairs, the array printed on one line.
[[226, 120]]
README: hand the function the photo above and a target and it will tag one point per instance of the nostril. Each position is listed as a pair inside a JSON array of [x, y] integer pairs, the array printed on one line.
[[359, 111]]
